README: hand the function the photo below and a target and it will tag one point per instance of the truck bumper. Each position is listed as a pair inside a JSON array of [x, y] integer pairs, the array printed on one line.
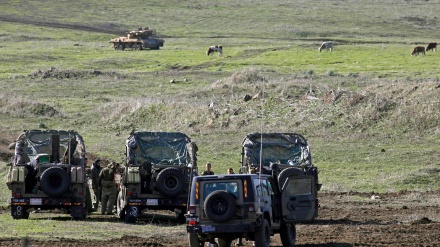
[[157, 203], [46, 201], [221, 229]]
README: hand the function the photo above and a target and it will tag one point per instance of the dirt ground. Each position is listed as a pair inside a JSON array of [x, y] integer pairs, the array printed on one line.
[[345, 219]]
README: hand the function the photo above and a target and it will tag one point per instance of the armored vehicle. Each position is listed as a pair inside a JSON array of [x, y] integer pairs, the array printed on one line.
[[276, 190], [138, 40], [157, 175], [48, 172]]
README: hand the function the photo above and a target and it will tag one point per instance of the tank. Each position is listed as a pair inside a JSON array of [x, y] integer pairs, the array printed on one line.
[[143, 38]]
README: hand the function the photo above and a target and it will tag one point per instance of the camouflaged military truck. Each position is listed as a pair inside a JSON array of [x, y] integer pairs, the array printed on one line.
[[158, 171], [282, 154], [48, 172], [277, 189]]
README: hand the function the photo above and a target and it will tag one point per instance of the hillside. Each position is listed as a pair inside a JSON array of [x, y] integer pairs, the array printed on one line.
[[368, 104], [369, 110]]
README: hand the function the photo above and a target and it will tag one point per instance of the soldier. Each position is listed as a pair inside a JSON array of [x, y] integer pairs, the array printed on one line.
[[208, 170], [94, 176], [106, 181], [231, 171]]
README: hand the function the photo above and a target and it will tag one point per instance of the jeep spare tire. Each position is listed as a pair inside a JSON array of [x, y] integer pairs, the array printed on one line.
[[54, 181], [170, 182], [220, 206], [292, 171]]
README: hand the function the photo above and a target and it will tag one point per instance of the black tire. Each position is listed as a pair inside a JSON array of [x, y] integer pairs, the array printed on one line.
[[170, 182], [288, 234], [224, 242], [181, 219], [54, 181], [220, 206], [262, 235], [293, 171], [194, 240], [120, 208]]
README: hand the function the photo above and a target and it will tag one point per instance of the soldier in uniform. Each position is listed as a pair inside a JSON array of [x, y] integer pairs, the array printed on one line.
[[94, 176], [106, 181], [208, 170]]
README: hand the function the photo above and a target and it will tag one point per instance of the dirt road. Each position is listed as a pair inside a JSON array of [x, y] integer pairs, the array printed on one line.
[[345, 219]]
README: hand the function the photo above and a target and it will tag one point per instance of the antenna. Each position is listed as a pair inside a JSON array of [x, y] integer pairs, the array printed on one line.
[[261, 149]]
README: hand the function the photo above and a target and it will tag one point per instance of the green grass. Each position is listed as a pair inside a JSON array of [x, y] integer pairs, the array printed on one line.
[[58, 226], [382, 93]]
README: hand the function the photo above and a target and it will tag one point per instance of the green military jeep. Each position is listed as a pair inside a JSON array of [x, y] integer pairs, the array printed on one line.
[[256, 205], [48, 172], [157, 174]]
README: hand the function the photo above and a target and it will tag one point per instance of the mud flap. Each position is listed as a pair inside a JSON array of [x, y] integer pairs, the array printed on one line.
[[131, 214], [19, 212], [78, 212]]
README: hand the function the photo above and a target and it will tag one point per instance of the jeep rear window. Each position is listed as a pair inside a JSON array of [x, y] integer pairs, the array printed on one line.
[[299, 186], [231, 187]]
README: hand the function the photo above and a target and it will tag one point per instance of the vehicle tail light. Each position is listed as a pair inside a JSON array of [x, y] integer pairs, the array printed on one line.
[[245, 190], [197, 190], [134, 193], [16, 195], [192, 222], [251, 207], [192, 209]]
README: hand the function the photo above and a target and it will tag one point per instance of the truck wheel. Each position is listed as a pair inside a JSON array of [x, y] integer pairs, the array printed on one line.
[[293, 171], [262, 235], [170, 182], [54, 181], [194, 240], [288, 234], [220, 206]]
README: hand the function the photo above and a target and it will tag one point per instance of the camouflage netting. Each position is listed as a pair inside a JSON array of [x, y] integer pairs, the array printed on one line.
[[160, 148], [35, 142], [280, 148]]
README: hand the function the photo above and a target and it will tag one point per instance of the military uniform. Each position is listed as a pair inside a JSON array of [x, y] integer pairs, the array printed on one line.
[[94, 175], [207, 173], [108, 186]]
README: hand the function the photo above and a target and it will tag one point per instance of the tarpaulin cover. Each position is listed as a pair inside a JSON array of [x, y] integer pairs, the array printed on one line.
[[39, 141], [281, 148], [158, 147]]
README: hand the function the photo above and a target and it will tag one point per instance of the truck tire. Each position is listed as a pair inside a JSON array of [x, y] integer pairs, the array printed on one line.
[[288, 234], [54, 181], [194, 240], [292, 171], [170, 182], [262, 235], [220, 206]]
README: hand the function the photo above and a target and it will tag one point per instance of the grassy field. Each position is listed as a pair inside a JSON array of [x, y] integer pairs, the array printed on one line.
[[369, 109]]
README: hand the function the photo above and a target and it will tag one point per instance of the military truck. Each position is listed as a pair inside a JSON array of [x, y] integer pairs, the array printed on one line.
[[286, 150], [158, 170], [48, 172], [138, 40], [277, 189]]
